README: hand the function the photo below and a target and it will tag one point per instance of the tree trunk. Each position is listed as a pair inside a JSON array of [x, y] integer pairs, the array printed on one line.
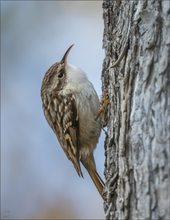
[[136, 74]]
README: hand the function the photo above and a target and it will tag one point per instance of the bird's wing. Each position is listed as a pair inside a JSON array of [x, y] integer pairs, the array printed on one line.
[[67, 125]]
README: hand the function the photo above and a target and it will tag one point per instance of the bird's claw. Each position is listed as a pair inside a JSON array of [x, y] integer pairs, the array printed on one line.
[[103, 106]]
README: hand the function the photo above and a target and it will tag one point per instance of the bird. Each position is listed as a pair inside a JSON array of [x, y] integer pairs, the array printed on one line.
[[71, 104]]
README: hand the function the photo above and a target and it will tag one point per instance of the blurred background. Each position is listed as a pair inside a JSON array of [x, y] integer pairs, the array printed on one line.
[[37, 180]]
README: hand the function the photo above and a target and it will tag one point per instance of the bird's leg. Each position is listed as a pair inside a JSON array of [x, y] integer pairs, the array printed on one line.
[[103, 107]]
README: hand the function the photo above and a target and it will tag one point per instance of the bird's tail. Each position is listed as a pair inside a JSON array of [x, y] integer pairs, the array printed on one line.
[[97, 180]]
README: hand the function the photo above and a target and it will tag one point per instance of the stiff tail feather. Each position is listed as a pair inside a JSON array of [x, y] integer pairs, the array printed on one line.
[[97, 180]]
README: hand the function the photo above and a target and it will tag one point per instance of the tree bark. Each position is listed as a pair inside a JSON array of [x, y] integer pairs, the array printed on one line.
[[136, 74]]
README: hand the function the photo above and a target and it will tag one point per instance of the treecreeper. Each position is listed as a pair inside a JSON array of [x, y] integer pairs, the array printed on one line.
[[70, 105]]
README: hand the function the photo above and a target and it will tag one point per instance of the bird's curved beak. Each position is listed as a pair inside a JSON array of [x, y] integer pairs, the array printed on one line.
[[64, 59]]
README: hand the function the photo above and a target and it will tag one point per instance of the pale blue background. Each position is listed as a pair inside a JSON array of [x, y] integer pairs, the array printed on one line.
[[37, 179]]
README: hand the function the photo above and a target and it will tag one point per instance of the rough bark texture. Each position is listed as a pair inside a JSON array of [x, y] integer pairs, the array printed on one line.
[[136, 73]]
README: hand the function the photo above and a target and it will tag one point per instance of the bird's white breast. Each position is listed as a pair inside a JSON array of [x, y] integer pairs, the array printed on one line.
[[87, 103]]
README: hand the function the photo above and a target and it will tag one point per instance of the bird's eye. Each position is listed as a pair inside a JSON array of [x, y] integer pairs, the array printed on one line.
[[61, 74]]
